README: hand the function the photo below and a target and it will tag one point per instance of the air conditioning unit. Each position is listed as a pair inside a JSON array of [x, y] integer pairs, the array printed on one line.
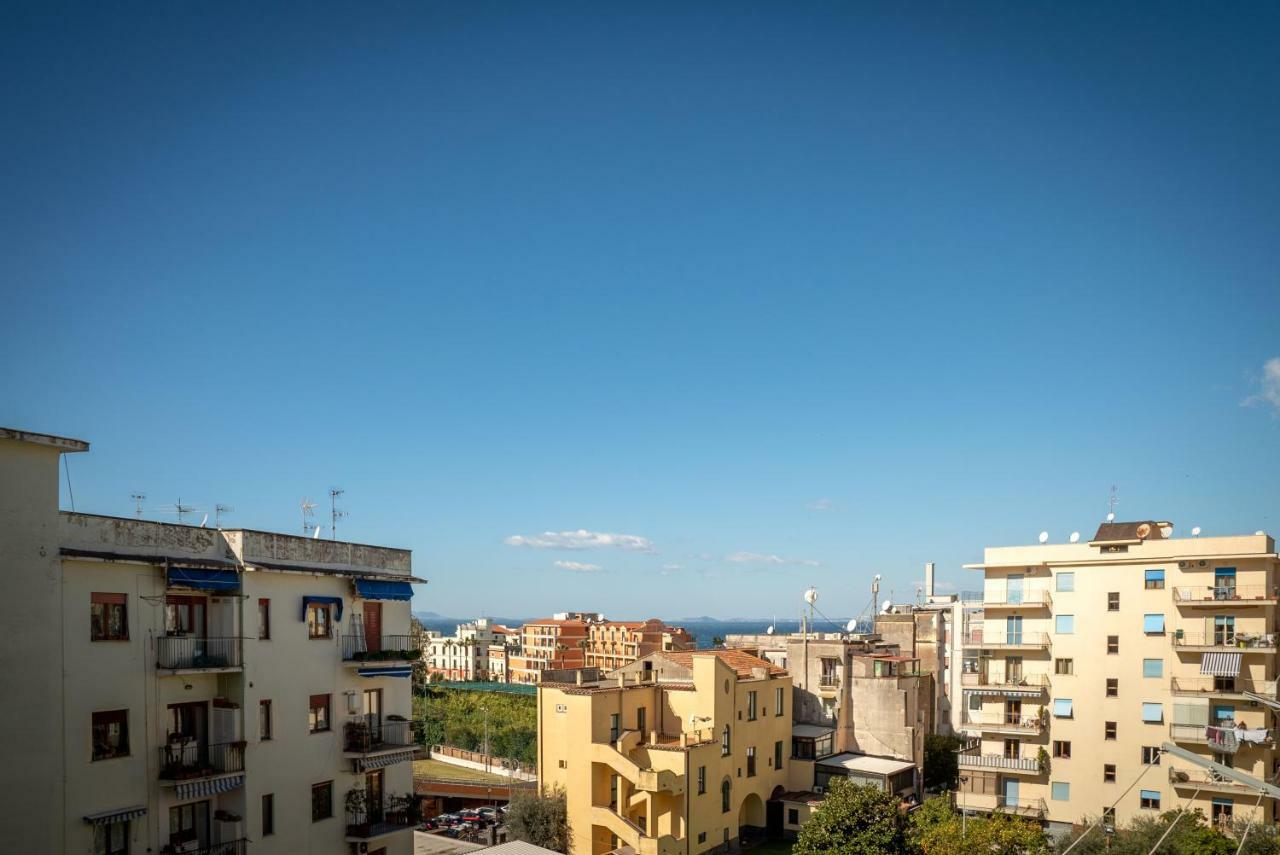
[[817, 790]]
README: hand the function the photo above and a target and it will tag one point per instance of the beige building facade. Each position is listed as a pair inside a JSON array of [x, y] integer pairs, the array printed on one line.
[[1088, 657], [198, 688]]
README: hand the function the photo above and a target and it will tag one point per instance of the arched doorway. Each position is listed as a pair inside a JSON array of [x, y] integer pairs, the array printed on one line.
[[774, 813], [751, 819]]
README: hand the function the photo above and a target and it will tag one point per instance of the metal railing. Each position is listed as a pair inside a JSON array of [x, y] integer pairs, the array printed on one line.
[[1227, 640], [1210, 686], [355, 648], [1006, 721], [230, 847], [1019, 681], [183, 760], [1241, 594], [1225, 740], [979, 638], [829, 681], [997, 761], [1206, 778], [1027, 598], [190, 652], [393, 814], [998, 802], [371, 732]]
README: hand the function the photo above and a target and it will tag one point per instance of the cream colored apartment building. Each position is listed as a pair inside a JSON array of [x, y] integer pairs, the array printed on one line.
[[196, 690], [1090, 656], [676, 753], [586, 640]]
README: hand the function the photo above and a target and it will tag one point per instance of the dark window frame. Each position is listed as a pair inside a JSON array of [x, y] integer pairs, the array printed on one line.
[[102, 605], [313, 719], [322, 801], [100, 724]]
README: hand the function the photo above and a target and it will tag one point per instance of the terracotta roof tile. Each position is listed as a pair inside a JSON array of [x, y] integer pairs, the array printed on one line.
[[739, 660]]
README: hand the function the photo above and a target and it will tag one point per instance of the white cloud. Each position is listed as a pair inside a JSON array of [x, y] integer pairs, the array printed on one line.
[[1269, 393], [821, 505], [578, 566], [581, 539], [671, 568], [760, 558]]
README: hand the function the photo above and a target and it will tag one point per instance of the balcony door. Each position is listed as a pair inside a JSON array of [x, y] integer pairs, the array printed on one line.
[[1012, 749], [373, 788], [1010, 792], [187, 737], [1013, 711], [1013, 670], [1015, 589], [372, 626], [184, 615], [1013, 629], [189, 827], [373, 713]]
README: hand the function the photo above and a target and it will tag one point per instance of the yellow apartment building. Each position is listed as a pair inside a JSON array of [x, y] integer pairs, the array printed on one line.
[[1090, 656], [197, 690], [676, 753]]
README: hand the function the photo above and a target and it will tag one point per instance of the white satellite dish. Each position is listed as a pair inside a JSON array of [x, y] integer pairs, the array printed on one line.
[[769, 631], [811, 595], [1044, 537], [852, 625], [1111, 517], [315, 535], [1260, 533], [1195, 531], [885, 606], [1166, 530], [1075, 537]]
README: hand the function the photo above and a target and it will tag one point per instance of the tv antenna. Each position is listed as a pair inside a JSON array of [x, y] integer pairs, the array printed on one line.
[[218, 511], [138, 499], [334, 512], [308, 514], [180, 510], [1112, 501]]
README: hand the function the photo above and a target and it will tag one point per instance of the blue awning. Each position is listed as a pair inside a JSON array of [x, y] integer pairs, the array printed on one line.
[[204, 580], [385, 672], [376, 589], [336, 602]]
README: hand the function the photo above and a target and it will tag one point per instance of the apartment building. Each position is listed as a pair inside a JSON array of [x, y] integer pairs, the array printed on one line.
[[189, 690], [678, 752], [557, 642], [574, 640], [465, 655], [613, 644], [1090, 656], [506, 644]]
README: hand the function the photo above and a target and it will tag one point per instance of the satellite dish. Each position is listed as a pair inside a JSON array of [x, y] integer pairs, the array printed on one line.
[[1166, 530], [852, 625], [1260, 533], [769, 631], [1195, 532], [885, 606], [1111, 517], [811, 595], [315, 535], [1044, 537], [204, 521], [877, 577], [1075, 537]]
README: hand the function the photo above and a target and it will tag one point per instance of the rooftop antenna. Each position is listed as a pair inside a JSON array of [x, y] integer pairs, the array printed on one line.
[[180, 510], [138, 499], [308, 512], [1112, 501], [1195, 532], [1075, 537], [334, 513], [218, 511]]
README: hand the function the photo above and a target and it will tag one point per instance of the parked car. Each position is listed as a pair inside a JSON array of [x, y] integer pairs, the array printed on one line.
[[488, 813]]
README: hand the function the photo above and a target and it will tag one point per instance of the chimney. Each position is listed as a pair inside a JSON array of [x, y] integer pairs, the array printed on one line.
[[928, 581]]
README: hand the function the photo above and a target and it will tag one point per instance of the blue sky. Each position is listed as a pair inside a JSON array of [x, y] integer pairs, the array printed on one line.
[[790, 294]]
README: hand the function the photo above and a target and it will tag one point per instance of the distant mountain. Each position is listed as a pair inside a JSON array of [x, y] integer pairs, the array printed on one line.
[[430, 616]]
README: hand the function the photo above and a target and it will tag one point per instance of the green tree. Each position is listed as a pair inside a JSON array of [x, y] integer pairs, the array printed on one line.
[[1192, 835], [937, 829], [418, 633], [941, 765], [540, 818], [854, 818]]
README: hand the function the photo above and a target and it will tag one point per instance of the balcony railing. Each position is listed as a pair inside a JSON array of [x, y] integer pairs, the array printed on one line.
[[1035, 598], [999, 803], [1225, 595], [230, 847], [1224, 640], [395, 648], [979, 638], [180, 761], [1221, 686], [997, 761], [1004, 681], [829, 681], [368, 733], [1224, 740], [396, 813], [191, 653], [1205, 779], [1005, 722]]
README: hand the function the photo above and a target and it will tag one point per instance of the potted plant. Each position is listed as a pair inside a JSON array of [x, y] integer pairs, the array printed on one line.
[[1043, 757], [357, 805]]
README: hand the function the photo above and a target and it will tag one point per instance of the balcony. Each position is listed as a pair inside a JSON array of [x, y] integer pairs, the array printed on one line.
[[1225, 595], [1207, 781], [829, 683], [1032, 599], [372, 734], [1018, 686], [984, 762], [391, 650], [1221, 687], [1005, 723], [1195, 642], [633, 835], [367, 822], [998, 803], [183, 654], [187, 761], [230, 847], [1007, 640], [1223, 740]]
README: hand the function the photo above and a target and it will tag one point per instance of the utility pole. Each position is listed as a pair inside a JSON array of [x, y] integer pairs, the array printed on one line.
[[488, 761]]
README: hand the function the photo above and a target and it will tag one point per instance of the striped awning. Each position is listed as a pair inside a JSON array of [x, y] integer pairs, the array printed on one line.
[[109, 816], [401, 671], [1006, 693], [1220, 664], [381, 761], [208, 788]]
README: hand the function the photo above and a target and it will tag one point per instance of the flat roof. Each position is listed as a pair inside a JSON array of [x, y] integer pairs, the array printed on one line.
[[62, 443], [811, 731], [864, 763]]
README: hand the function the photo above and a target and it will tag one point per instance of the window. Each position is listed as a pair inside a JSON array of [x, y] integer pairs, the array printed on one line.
[[1113, 645], [111, 838], [1109, 730], [724, 795], [264, 619], [1153, 713], [1062, 707], [319, 718], [793, 816], [1153, 624], [702, 837], [751, 706], [1149, 799], [110, 734], [724, 742], [1113, 601], [318, 624], [107, 617], [1066, 581], [1224, 630], [1064, 666], [777, 701], [1062, 748], [1152, 667], [321, 801], [1222, 811], [184, 825], [1060, 791], [642, 715], [1154, 580], [1108, 773], [264, 720], [751, 762], [777, 754], [1065, 624], [1113, 687], [1150, 755], [702, 779], [268, 814], [615, 727]]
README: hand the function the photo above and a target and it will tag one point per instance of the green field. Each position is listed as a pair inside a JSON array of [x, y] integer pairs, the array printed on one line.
[[439, 770]]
